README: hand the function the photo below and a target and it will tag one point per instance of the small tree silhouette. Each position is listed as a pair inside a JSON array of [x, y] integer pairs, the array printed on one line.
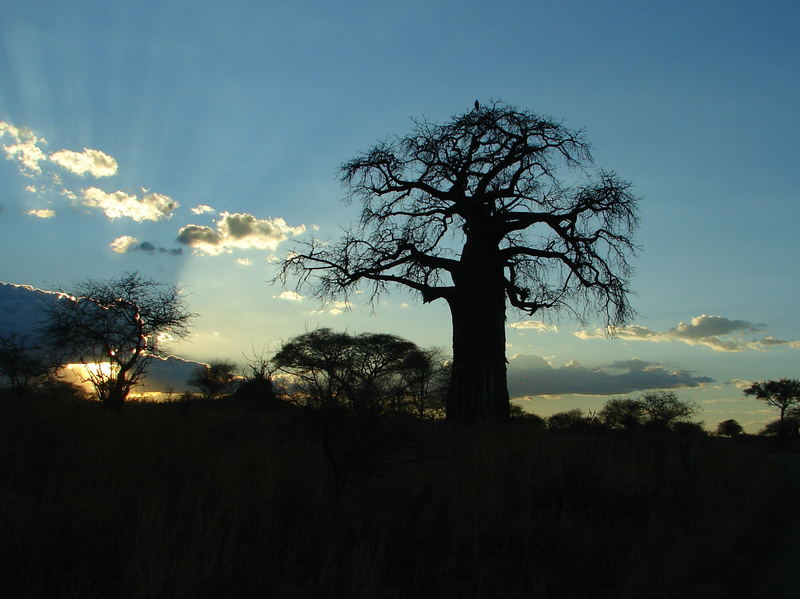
[[623, 414], [729, 428], [664, 409], [214, 379]]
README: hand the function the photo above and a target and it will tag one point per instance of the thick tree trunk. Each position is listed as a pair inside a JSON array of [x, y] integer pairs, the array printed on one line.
[[478, 387]]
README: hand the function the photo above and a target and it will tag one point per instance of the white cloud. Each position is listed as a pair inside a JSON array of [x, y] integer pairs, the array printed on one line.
[[533, 325], [26, 150], [42, 213], [334, 308], [123, 244], [292, 296], [94, 162], [715, 332], [151, 206], [237, 231], [244, 262], [202, 209]]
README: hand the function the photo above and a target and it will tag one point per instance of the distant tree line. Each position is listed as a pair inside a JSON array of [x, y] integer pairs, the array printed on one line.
[[116, 327]]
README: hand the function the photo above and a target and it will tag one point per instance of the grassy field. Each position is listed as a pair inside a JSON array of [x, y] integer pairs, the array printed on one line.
[[217, 499]]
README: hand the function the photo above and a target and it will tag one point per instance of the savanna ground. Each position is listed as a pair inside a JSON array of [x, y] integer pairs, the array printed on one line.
[[211, 499]]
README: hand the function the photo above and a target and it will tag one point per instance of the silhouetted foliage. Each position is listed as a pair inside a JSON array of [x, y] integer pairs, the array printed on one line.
[[622, 414], [786, 428], [729, 428], [659, 409], [496, 206], [664, 409], [782, 394], [366, 373], [516, 412], [215, 379], [571, 420], [23, 364], [688, 428], [257, 383], [115, 328]]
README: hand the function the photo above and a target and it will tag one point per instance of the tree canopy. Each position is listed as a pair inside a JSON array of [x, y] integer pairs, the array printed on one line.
[[782, 394], [365, 373]]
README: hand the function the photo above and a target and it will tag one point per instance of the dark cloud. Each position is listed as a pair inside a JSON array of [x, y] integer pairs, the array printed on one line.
[[173, 373], [22, 308], [705, 326], [126, 244], [534, 375], [198, 235]]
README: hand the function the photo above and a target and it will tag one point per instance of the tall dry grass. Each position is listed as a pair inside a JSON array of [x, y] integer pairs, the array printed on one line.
[[216, 499]]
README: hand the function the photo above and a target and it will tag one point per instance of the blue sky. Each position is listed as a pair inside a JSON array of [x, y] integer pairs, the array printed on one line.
[[250, 109]]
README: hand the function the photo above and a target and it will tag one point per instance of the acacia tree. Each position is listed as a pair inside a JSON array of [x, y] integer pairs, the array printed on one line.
[[115, 328], [782, 394], [214, 379], [367, 373], [496, 207]]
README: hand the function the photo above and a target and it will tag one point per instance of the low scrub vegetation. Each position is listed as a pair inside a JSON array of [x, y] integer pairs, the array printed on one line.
[[243, 499]]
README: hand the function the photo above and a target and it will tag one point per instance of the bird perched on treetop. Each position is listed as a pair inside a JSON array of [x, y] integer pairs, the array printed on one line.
[[477, 105]]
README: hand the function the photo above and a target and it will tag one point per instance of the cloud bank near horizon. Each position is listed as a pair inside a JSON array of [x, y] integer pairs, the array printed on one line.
[[715, 332], [531, 375]]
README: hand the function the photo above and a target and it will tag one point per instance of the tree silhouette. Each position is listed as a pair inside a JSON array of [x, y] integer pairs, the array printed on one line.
[[498, 206], [664, 409], [623, 414], [213, 379], [23, 363], [115, 328], [782, 394], [729, 428], [367, 373]]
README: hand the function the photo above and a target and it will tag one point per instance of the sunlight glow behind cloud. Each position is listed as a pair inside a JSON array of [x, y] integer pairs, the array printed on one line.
[[94, 162], [292, 296], [237, 231], [42, 213], [26, 150], [117, 204]]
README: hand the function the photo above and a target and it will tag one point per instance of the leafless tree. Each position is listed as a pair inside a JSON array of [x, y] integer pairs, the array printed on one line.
[[114, 328], [496, 207]]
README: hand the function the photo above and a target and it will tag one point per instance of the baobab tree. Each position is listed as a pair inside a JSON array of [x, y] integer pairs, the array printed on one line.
[[496, 207]]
